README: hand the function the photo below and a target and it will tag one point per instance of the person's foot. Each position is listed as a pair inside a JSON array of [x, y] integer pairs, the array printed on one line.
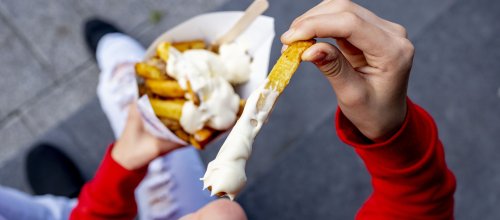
[[50, 171], [94, 29]]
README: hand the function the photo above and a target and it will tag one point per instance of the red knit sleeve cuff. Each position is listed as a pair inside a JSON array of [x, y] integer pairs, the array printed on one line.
[[404, 149], [113, 175], [112, 189]]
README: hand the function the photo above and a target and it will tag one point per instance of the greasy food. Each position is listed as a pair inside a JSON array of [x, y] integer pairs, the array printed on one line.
[[189, 45], [191, 89], [148, 71], [171, 109], [165, 88]]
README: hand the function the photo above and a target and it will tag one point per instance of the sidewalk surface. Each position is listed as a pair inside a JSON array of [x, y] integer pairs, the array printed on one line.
[[299, 168]]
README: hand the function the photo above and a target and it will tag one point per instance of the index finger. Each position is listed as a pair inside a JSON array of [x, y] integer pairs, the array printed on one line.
[[365, 36]]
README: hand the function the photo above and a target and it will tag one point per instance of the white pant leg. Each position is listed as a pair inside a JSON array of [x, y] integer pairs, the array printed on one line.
[[116, 55], [18, 205], [172, 181]]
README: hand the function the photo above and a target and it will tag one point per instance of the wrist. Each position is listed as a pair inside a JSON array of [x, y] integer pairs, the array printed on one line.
[[377, 124], [126, 156]]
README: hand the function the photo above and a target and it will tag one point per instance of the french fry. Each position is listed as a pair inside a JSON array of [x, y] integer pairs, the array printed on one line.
[[171, 109], [189, 45], [182, 135], [165, 88], [195, 143], [285, 67], [148, 71], [171, 124], [142, 89], [192, 95], [242, 106], [203, 134], [158, 63], [162, 50]]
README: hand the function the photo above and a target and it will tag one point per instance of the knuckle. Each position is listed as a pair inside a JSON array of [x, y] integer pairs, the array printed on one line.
[[407, 47], [401, 56], [299, 22], [400, 29], [351, 18], [342, 5], [296, 21]]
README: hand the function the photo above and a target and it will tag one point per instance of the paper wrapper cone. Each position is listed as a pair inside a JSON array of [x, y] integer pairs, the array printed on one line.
[[257, 39]]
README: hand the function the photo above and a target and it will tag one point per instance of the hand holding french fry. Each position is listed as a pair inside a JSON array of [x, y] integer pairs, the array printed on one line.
[[368, 70]]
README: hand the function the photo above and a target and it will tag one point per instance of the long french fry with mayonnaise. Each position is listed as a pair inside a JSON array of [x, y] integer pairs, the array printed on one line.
[[225, 175], [171, 109], [165, 88]]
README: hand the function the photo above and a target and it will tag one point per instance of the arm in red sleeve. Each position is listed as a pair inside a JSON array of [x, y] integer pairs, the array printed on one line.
[[410, 178], [110, 195]]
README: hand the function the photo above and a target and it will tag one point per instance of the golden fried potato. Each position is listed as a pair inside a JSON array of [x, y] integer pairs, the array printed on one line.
[[163, 50], [285, 67], [287, 64], [171, 124], [148, 71], [189, 45], [241, 107], [171, 109], [158, 63], [203, 134], [165, 88], [182, 135], [192, 95]]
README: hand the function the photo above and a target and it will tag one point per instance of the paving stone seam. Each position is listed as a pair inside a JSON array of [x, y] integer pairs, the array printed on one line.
[[19, 113], [53, 86], [45, 64], [26, 124]]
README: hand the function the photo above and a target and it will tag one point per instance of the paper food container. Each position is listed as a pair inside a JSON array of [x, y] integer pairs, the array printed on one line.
[[257, 39]]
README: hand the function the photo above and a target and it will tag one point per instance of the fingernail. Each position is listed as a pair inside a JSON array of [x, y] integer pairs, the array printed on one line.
[[313, 56], [319, 56], [283, 48], [288, 34]]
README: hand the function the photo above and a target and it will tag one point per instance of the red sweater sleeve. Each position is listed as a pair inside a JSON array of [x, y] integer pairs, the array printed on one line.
[[410, 178], [110, 195]]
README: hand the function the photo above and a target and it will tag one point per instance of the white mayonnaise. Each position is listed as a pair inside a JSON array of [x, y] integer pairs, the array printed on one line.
[[208, 75], [236, 61], [226, 173]]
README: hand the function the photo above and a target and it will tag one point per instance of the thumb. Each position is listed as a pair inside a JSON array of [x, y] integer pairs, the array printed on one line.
[[330, 61]]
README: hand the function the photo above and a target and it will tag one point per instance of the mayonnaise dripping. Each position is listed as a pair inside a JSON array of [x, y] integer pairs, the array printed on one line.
[[226, 173]]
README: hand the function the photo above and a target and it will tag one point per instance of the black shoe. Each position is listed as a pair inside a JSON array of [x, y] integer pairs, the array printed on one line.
[[50, 171], [94, 30]]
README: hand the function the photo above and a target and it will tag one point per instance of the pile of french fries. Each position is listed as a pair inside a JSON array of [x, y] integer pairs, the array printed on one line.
[[167, 97]]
